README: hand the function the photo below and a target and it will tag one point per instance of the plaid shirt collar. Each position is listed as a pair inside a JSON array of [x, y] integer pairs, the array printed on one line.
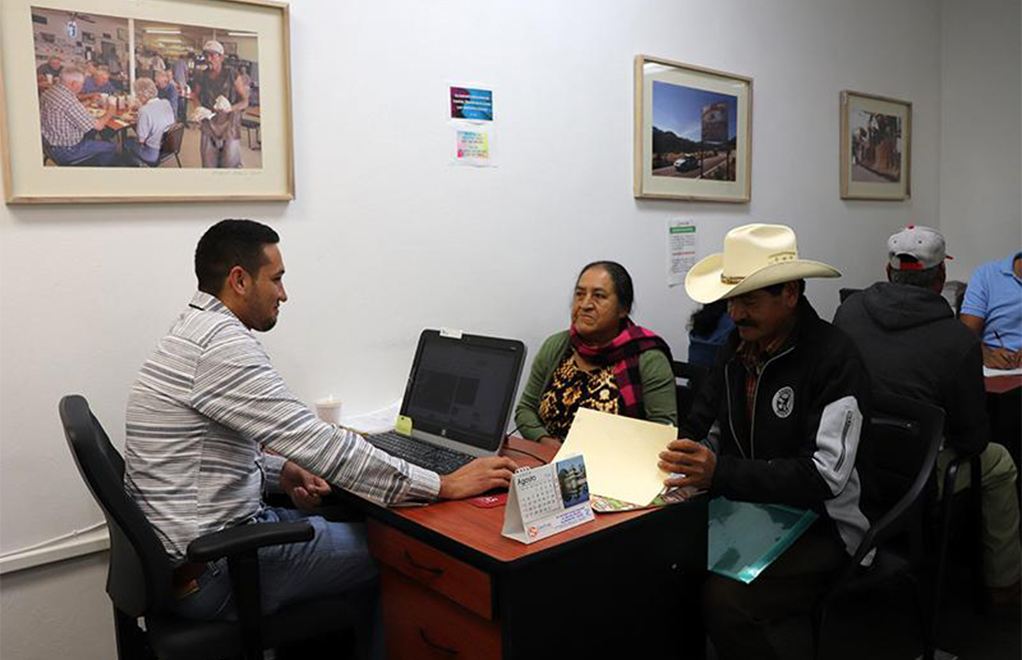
[[754, 354]]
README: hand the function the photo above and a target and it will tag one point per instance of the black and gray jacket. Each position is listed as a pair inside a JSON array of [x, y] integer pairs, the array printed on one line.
[[810, 406]]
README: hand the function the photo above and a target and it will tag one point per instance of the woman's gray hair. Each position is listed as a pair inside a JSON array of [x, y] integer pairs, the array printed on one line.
[[145, 90]]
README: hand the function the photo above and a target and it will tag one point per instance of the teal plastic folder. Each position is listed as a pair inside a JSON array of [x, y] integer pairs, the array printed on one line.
[[745, 538]]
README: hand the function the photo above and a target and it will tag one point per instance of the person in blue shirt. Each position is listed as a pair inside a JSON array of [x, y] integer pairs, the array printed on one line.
[[98, 83], [166, 89], [708, 330], [993, 309]]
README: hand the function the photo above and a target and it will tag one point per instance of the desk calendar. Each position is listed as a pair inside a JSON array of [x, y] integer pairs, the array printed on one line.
[[546, 500]]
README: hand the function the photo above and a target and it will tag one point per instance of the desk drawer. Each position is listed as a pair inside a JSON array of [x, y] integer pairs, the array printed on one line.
[[465, 585], [422, 624]]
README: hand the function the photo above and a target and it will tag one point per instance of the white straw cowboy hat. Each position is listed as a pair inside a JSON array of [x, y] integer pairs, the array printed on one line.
[[754, 256]]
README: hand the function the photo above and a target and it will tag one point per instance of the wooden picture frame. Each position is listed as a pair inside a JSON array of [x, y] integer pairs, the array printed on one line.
[[876, 147], [30, 172], [703, 149]]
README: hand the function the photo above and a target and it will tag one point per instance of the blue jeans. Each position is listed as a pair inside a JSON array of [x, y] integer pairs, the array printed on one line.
[[97, 152], [334, 563]]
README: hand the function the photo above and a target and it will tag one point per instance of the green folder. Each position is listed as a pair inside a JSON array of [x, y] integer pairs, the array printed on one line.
[[745, 538]]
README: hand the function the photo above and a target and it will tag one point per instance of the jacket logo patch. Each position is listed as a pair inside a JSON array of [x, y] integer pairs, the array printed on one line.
[[783, 402]]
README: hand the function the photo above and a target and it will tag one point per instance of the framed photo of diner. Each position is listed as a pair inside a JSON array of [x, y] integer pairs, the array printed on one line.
[[168, 100], [876, 147], [693, 132]]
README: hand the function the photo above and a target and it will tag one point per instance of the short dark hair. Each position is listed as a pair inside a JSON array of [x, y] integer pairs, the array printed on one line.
[[621, 279], [227, 244], [775, 289], [704, 320], [925, 278]]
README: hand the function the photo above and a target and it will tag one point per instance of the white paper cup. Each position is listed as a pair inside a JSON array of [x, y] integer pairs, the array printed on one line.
[[329, 410]]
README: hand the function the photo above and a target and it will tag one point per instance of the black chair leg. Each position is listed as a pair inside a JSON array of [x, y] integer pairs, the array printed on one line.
[[131, 644], [976, 511], [819, 619], [244, 573], [925, 618]]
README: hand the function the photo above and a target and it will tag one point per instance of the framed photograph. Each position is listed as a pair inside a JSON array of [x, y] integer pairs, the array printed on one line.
[[876, 147], [171, 115], [693, 132]]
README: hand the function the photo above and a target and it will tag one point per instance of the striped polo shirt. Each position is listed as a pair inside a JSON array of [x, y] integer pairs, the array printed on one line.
[[204, 407]]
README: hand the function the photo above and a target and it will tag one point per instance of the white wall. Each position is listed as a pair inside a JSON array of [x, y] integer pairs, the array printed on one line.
[[58, 611], [385, 238], [981, 134]]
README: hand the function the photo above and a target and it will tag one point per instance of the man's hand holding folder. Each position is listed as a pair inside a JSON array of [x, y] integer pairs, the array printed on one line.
[[691, 463]]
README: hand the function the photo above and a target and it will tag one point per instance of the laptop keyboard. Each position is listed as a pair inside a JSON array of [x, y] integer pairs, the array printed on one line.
[[439, 459]]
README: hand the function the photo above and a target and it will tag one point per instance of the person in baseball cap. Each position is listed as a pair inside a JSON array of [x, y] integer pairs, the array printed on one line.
[[777, 421], [213, 46], [914, 346], [916, 248]]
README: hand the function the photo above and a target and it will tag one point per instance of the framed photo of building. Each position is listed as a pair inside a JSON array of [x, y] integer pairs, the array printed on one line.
[[191, 101], [876, 147], [693, 132]]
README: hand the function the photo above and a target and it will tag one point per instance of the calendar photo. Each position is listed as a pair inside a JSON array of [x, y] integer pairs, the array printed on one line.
[[571, 474]]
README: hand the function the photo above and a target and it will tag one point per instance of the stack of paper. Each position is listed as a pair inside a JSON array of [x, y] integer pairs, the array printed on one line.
[[374, 421]]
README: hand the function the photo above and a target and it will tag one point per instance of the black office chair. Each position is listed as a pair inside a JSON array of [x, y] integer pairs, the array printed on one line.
[[895, 462], [844, 292], [250, 124], [170, 147], [139, 578], [688, 378]]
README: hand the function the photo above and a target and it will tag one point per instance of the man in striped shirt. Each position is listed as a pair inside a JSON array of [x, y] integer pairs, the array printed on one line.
[[208, 402], [67, 127]]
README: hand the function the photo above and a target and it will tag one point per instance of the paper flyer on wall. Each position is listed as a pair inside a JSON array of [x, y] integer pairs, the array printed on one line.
[[546, 500], [681, 249], [471, 122]]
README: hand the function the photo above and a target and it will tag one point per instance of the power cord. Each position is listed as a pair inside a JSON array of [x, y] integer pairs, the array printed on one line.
[[520, 451]]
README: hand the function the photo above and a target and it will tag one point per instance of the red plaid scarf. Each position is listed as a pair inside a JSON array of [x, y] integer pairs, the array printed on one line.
[[623, 352]]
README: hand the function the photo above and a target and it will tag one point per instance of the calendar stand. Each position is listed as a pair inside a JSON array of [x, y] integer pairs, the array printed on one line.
[[546, 500]]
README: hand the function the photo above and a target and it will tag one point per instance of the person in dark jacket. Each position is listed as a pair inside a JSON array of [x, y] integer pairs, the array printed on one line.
[[913, 346], [777, 422]]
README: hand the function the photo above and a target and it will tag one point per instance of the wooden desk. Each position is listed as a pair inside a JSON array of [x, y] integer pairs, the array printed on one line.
[[625, 584], [1001, 384]]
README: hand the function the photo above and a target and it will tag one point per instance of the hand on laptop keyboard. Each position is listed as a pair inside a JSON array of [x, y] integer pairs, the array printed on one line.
[[477, 477]]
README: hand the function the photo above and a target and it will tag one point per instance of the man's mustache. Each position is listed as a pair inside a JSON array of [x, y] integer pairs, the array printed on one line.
[[746, 324]]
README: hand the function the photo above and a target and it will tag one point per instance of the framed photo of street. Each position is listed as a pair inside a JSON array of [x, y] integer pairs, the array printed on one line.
[[693, 132], [172, 100], [876, 147]]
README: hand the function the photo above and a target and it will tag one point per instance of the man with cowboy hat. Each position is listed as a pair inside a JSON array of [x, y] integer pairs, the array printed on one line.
[[777, 421]]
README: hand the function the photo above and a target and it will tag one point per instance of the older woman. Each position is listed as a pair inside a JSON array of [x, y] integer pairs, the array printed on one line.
[[155, 116], [604, 362]]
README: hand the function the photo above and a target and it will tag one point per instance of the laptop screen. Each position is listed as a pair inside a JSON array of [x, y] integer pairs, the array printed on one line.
[[463, 388]]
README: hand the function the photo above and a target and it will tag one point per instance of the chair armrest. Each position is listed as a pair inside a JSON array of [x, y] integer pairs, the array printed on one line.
[[245, 538], [951, 471]]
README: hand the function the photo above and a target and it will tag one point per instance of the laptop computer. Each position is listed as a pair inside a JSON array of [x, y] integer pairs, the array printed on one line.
[[459, 396]]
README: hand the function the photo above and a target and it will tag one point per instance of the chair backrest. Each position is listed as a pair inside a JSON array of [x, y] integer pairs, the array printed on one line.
[[896, 461], [844, 292], [954, 294], [172, 140], [139, 579], [688, 378]]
